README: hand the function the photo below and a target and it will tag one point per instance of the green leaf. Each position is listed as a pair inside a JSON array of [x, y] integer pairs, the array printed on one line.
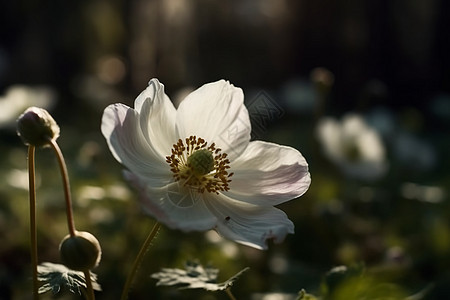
[[195, 276], [302, 295], [353, 283], [337, 275], [57, 277]]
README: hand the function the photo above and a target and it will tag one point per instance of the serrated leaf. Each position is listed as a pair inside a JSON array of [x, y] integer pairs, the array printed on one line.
[[303, 295], [195, 276], [57, 277]]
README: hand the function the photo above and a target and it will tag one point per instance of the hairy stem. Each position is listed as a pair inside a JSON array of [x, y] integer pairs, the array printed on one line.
[[90, 290], [230, 295], [65, 178], [33, 230], [138, 260]]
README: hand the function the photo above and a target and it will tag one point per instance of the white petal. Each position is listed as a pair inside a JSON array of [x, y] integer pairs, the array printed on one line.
[[371, 146], [329, 133], [175, 206], [149, 93], [120, 126], [248, 224], [353, 125], [216, 112], [157, 117], [149, 207], [269, 174]]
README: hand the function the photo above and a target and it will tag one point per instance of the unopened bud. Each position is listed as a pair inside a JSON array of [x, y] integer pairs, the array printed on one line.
[[80, 252], [36, 126]]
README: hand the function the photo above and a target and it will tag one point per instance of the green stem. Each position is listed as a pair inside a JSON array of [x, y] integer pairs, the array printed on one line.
[[33, 230], [139, 259], [90, 290], [230, 295], [69, 212], [65, 178]]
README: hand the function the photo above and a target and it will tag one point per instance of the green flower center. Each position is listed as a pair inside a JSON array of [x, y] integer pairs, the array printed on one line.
[[199, 166], [201, 162]]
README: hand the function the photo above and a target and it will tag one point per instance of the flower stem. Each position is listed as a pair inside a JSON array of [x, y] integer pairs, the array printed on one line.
[[33, 230], [90, 290], [230, 295], [65, 178], [139, 259]]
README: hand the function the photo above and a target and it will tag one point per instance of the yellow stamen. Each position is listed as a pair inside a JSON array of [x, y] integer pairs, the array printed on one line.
[[199, 166]]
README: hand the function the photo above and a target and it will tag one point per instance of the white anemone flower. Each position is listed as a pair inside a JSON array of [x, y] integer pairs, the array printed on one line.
[[355, 147], [196, 168]]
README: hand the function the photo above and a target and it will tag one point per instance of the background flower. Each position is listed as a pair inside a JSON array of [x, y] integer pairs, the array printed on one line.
[[17, 98], [353, 146]]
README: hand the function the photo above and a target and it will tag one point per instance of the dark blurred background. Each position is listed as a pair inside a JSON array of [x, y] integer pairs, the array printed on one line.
[[404, 44], [388, 60]]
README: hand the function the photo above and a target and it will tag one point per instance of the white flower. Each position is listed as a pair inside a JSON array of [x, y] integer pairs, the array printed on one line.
[[196, 167], [353, 146]]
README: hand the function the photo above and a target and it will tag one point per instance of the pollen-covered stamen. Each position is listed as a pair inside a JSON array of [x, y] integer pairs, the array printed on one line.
[[199, 166]]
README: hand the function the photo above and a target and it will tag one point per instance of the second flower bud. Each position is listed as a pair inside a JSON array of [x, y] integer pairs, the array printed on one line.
[[80, 252]]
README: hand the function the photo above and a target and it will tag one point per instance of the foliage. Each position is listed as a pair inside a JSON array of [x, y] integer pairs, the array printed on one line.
[[194, 276], [57, 278], [302, 295]]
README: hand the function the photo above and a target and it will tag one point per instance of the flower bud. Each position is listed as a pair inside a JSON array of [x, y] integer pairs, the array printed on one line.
[[80, 252], [36, 126]]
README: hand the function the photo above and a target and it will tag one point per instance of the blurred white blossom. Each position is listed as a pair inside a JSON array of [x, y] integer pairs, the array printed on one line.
[[18, 178], [423, 193], [17, 98], [355, 147]]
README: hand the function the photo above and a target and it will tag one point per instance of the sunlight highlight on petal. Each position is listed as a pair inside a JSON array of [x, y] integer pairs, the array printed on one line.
[[196, 169]]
